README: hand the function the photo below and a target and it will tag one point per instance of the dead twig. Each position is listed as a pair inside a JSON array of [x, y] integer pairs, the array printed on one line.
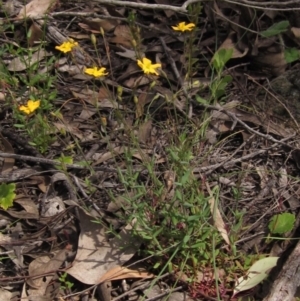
[[267, 5], [179, 9], [247, 127]]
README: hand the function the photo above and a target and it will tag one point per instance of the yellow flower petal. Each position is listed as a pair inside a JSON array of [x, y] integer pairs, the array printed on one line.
[[24, 109], [184, 27], [31, 106], [96, 72], [66, 46], [147, 66]]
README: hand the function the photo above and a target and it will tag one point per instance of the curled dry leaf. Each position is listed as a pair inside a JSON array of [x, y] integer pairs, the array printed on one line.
[[44, 265], [256, 274], [24, 62], [119, 272], [217, 217], [36, 8]]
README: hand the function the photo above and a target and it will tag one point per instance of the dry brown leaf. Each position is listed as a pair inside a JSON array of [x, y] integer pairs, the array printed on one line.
[[120, 202], [70, 127], [268, 125], [134, 82], [119, 272], [95, 255], [296, 32], [36, 8], [52, 206], [274, 62], [5, 294], [36, 34], [145, 131], [123, 31], [73, 70], [93, 25], [4, 239], [128, 53], [87, 113], [31, 209], [122, 36], [96, 99], [21, 63], [108, 155], [103, 94], [120, 41], [144, 99], [2, 96], [217, 217], [230, 44], [44, 265], [43, 182]]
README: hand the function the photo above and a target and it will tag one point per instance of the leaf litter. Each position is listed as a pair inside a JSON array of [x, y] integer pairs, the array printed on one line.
[[129, 109]]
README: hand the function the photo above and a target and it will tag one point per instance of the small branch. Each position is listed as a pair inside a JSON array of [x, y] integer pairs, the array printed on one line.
[[236, 119], [179, 9], [266, 5]]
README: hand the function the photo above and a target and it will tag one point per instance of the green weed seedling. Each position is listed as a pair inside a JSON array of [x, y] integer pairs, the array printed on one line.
[[282, 223], [64, 283], [7, 195], [219, 84]]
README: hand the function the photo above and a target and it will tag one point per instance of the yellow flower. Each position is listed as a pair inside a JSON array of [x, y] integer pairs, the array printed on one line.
[[184, 27], [147, 66], [31, 106], [67, 46], [95, 71]]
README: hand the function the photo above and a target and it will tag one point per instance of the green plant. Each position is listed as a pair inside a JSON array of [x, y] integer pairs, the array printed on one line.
[[30, 91], [178, 224], [220, 82], [64, 283], [282, 223], [7, 195]]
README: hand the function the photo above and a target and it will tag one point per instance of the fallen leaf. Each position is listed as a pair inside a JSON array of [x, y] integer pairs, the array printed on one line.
[[119, 272], [145, 131], [108, 155], [128, 53], [35, 34], [95, 24], [36, 8], [217, 217], [44, 265], [96, 255], [230, 44], [21, 63], [256, 274]]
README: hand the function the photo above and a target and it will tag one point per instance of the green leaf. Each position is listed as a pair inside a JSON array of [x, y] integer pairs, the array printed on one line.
[[186, 239], [256, 274], [7, 195], [157, 265], [282, 223], [221, 57], [291, 55], [66, 159], [275, 29], [202, 100]]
